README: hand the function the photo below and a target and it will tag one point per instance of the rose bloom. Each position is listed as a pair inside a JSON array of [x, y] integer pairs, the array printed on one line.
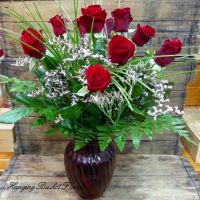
[[29, 36], [121, 49], [94, 16], [98, 78], [58, 25], [143, 34], [170, 47], [122, 19]]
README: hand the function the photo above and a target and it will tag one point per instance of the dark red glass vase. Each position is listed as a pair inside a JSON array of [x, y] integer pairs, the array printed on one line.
[[89, 170]]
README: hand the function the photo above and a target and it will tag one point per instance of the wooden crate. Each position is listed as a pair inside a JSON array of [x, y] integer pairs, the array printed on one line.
[[4, 160], [192, 120], [7, 139], [193, 89]]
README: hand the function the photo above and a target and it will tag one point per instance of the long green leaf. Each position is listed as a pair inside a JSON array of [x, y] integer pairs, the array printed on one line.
[[15, 115]]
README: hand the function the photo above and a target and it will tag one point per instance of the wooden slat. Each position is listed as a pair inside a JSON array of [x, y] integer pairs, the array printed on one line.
[[4, 160], [6, 146], [142, 10], [6, 155], [196, 166], [191, 117], [136, 177], [3, 164], [193, 90], [54, 147]]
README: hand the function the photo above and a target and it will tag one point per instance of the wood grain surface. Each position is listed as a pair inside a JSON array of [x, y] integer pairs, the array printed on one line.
[[138, 177]]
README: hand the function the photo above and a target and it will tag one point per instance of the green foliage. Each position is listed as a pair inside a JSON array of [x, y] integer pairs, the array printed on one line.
[[120, 141], [136, 138], [71, 112], [82, 136], [40, 73], [181, 129], [15, 115], [117, 117], [83, 91], [104, 141], [50, 113], [50, 62], [92, 116], [37, 102], [18, 85], [38, 122]]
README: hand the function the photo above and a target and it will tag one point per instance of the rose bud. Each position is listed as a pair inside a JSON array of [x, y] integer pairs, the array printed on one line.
[[98, 78], [143, 34], [1, 53], [92, 20], [122, 19], [170, 47], [33, 39], [108, 26], [121, 49], [58, 25]]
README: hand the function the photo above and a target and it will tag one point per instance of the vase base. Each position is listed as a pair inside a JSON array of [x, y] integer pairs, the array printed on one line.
[[91, 197]]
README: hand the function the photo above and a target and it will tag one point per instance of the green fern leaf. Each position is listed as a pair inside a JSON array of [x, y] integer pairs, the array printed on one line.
[[15, 115]]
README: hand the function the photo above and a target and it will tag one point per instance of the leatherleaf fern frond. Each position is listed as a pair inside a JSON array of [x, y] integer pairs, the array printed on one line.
[[18, 85]]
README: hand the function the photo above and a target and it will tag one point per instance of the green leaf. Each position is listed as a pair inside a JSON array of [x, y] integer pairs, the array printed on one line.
[[33, 63], [51, 131], [40, 73], [103, 128], [50, 62], [83, 91], [138, 111], [66, 133], [137, 91], [18, 85], [136, 139], [39, 122], [15, 115], [67, 124], [79, 145], [37, 102], [50, 112], [120, 141], [104, 141], [71, 112], [148, 132]]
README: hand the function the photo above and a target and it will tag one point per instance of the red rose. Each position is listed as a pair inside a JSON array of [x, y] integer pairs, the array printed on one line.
[[122, 19], [109, 26], [1, 53], [170, 47], [98, 78], [143, 34], [121, 49], [34, 39], [58, 25], [94, 16]]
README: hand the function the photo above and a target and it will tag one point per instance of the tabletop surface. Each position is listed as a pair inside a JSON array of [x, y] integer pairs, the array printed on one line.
[[136, 177]]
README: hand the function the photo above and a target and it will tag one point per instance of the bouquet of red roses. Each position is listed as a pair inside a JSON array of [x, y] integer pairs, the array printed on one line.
[[92, 83]]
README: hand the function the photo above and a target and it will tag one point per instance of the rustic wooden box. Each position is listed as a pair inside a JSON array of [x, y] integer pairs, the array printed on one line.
[[7, 139]]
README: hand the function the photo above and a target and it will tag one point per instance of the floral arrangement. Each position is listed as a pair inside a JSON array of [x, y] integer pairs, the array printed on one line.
[[92, 84]]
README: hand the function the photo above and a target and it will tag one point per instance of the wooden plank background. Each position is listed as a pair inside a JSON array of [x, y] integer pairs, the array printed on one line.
[[138, 177], [171, 18]]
